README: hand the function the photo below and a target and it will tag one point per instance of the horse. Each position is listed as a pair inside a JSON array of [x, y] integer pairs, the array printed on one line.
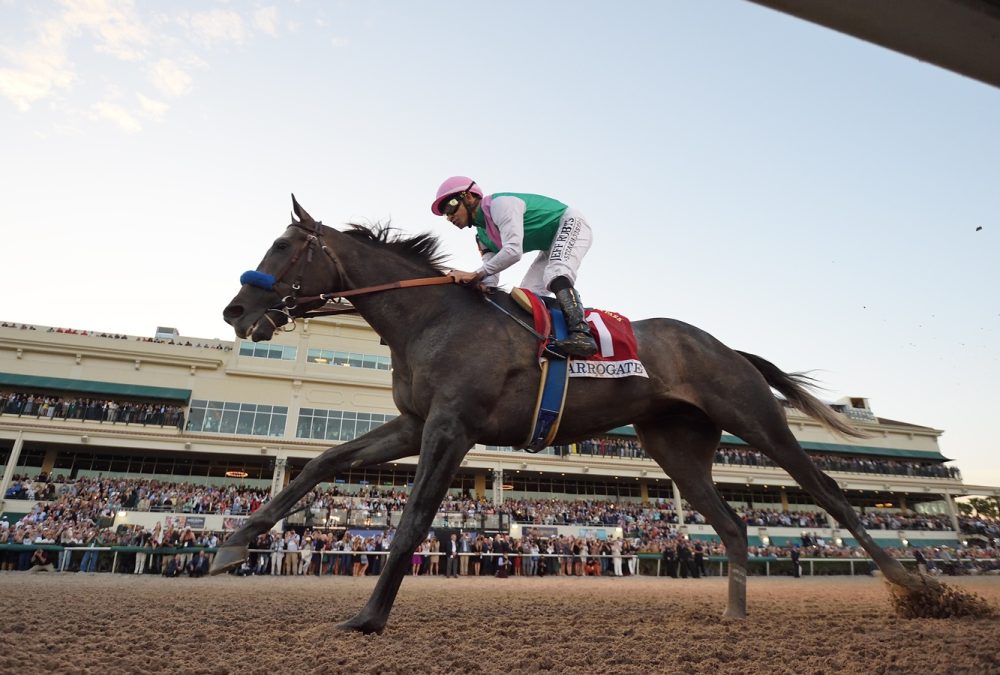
[[464, 373]]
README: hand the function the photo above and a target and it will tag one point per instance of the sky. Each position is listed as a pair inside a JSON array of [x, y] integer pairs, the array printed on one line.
[[796, 192]]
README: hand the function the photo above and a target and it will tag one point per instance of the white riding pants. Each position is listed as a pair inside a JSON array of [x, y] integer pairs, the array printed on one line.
[[563, 257]]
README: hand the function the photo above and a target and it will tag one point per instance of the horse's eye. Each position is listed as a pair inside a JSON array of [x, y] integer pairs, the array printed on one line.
[[280, 245]]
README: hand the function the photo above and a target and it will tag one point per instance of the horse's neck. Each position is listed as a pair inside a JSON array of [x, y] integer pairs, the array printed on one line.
[[402, 315], [399, 314]]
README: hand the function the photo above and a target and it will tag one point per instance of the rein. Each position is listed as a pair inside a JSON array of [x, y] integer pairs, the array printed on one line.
[[289, 302], [405, 283], [524, 324]]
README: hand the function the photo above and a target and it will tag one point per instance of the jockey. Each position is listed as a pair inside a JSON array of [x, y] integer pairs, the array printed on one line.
[[510, 223]]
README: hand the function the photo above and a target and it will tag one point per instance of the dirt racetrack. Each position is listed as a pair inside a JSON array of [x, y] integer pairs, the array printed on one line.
[[116, 623]]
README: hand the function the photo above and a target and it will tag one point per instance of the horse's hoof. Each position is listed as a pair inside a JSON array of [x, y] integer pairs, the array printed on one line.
[[935, 600], [361, 625], [734, 614], [912, 582], [227, 558]]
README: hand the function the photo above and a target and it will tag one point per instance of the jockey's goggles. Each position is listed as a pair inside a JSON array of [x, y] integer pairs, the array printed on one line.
[[450, 206]]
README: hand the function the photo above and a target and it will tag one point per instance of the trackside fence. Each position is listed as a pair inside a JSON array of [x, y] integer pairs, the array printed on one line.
[[111, 559]]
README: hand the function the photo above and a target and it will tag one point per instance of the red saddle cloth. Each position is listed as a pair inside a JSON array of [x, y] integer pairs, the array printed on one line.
[[617, 351]]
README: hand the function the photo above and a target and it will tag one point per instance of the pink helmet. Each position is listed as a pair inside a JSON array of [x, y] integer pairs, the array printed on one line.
[[454, 186]]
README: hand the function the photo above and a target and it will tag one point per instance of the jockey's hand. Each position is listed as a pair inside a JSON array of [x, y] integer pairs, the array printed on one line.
[[467, 278]]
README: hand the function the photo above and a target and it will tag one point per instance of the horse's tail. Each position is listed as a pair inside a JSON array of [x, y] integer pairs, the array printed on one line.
[[793, 387]]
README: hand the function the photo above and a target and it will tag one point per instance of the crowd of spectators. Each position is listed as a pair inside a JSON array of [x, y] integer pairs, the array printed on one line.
[[617, 446], [885, 520], [872, 519], [86, 537], [639, 519], [829, 462], [81, 513], [322, 553], [113, 411], [317, 552], [681, 557], [110, 495], [132, 412], [223, 346], [612, 446], [165, 551], [771, 518], [886, 466], [981, 525]]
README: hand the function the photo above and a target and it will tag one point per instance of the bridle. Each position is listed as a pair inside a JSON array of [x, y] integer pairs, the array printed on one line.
[[314, 240], [268, 282]]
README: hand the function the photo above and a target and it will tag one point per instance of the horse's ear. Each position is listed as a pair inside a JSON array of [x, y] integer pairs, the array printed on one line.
[[299, 212]]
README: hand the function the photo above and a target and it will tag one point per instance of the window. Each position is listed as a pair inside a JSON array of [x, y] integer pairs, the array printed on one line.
[[245, 419], [349, 359], [265, 350], [337, 425]]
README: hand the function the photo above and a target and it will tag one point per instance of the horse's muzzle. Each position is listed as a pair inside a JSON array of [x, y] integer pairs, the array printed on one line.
[[235, 316], [246, 313], [232, 313]]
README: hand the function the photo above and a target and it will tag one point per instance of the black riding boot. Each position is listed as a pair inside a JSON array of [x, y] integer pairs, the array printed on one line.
[[579, 342]]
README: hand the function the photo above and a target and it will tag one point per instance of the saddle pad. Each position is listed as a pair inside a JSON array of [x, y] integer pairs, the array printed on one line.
[[617, 354], [617, 350]]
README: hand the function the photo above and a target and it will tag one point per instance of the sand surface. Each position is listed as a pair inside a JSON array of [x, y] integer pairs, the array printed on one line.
[[103, 623]]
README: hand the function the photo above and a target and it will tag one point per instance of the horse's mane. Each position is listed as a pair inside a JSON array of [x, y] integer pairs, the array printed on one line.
[[422, 248]]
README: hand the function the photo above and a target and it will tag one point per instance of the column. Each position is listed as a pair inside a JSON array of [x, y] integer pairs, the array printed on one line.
[[902, 502], [644, 490], [678, 503], [49, 462], [8, 472], [480, 484], [498, 486], [784, 500], [278, 479], [295, 404], [952, 512]]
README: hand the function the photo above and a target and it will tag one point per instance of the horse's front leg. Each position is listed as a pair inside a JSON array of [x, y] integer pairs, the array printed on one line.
[[393, 440], [445, 442]]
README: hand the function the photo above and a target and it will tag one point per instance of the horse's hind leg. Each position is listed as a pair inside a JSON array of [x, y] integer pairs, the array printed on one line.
[[685, 448], [393, 440], [771, 435]]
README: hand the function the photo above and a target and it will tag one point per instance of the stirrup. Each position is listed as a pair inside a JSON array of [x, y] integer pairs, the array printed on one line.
[[581, 345]]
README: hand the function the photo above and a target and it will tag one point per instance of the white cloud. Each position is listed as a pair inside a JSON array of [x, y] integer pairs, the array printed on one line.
[[169, 78], [265, 19], [151, 107], [118, 115], [118, 30], [218, 26], [42, 66], [159, 42], [38, 71]]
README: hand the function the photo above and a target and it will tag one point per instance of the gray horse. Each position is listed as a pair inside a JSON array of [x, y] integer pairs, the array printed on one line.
[[463, 373]]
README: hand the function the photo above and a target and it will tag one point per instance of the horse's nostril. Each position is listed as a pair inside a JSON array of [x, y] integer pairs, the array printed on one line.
[[232, 312]]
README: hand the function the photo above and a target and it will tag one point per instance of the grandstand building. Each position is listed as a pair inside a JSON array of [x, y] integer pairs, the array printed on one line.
[[79, 403]]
